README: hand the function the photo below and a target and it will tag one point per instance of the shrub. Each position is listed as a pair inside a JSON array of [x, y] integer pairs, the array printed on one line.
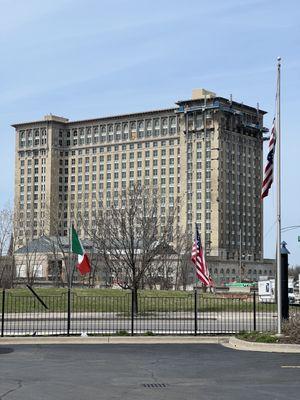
[[122, 333], [291, 329]]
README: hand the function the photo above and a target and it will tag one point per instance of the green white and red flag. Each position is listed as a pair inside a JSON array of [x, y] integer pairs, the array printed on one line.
[[83, 266]]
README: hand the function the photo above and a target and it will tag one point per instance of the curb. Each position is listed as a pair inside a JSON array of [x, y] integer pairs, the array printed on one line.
[[115, 340], [238, 344], [226, 341]]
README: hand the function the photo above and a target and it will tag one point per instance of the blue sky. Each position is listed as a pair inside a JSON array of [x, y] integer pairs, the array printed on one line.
[[82, 59]]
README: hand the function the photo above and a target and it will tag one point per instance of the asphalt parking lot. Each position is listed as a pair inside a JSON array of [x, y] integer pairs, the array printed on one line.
[[161, 371]]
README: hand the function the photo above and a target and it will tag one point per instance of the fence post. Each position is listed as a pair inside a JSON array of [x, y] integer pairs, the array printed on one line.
[[132, 312], [195, 313], [254, 311], [3, 310], [69, 312]]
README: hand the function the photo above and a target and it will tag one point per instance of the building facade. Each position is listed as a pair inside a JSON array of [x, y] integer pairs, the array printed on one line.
[[204, 155]]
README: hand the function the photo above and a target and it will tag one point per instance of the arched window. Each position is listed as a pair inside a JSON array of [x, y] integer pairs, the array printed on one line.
[[216, 271], [141, 129], [156, 127], [149, 128], [125, 131], [117, 131], [133, 126], [173, 125]]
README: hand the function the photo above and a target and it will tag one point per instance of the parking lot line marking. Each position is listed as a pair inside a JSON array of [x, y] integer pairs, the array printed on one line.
[[290, 366]]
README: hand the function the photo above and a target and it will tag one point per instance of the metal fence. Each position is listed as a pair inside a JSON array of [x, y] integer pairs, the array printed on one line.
[[70, 313]]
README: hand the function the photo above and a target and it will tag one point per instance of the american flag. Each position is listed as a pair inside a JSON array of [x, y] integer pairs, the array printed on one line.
[[199, 260], [268, 171]]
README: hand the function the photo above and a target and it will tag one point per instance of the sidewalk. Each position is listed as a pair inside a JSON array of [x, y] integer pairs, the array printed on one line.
[[34, 340], [100, 315]]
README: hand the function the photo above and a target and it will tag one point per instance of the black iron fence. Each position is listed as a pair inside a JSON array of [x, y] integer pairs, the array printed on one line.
[[70, 313]]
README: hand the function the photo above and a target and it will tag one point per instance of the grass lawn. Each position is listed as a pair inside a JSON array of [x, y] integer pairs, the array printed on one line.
[[259, 337], [113, 300]]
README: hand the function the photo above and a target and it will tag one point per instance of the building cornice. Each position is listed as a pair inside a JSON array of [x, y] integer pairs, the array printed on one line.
[[97, 120]]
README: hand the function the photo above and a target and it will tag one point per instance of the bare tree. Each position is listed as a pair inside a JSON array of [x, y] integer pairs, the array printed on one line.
[[130, 235], [184, 266], [163, 270], [55, 262], [173, 267], [6, 228], [62, 261], [294, 272], [6, 248], [99, 270]]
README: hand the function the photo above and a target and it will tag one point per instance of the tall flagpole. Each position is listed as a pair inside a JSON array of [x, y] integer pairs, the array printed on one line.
[[278, 252], [69, 285]]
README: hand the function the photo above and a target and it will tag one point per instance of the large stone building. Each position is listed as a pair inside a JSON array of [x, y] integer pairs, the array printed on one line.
[[206, 153]]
